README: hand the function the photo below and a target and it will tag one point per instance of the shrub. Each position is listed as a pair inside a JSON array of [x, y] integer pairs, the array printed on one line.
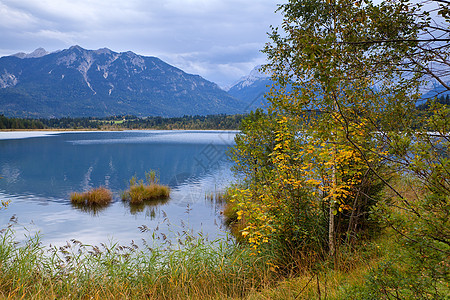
[[232, 220]]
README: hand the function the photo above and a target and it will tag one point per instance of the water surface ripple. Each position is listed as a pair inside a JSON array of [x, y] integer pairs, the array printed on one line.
[[39, 171]]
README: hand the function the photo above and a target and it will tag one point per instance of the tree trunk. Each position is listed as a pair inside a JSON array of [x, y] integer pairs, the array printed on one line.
[[331, 239]]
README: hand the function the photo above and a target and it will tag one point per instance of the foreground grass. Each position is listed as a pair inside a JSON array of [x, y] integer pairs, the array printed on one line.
[[199, 269], [195, 268], [329, 281]]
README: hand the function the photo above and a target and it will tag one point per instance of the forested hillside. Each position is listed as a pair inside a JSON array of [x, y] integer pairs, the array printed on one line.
[[17, 123]]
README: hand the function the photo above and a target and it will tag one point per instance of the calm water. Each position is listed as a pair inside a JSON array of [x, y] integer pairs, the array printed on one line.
[[39, 173]]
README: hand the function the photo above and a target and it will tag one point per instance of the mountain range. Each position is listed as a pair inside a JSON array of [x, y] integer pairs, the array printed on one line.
[[251, 88], [80, 82], [76, 82]]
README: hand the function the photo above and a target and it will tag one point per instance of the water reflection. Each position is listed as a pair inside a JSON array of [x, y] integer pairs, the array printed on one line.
[[40, 173], [150, 207], [92, 209], [58, 165]]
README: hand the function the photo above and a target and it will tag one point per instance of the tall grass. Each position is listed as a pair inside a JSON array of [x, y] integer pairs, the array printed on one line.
[[327, 281], [191, 268], [195, 268]]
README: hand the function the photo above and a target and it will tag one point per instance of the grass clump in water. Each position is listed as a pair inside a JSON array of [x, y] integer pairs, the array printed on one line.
[[97, 196], [140, 191]]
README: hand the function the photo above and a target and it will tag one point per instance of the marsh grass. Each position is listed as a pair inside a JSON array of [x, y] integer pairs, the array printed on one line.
[[193, 268], [217, 197], [139, 192], [97, 196]]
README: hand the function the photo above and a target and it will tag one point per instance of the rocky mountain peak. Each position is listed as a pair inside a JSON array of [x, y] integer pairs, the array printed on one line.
[[252, 88], [103, 51], [39, 52], [255, 75], [76, 47]]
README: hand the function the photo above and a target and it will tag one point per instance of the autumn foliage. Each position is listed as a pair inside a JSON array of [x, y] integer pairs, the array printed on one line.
[[342, 122]]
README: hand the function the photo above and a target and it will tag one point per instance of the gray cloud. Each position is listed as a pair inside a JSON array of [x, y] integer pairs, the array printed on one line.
[[218, 39]]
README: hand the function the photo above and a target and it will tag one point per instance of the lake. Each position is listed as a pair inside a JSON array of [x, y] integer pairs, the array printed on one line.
[[40, 170]]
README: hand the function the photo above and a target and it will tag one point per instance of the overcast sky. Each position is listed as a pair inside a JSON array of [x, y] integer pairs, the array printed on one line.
[[217, 39]]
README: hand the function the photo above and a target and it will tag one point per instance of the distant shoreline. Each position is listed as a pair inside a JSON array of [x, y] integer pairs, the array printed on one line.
[[17, 134], [111, 130]]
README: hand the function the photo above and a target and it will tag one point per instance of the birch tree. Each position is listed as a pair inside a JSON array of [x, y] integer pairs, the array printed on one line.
[[348, 77]]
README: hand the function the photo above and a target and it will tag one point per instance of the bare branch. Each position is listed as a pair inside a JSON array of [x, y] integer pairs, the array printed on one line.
[[430, 72], [395, 41]]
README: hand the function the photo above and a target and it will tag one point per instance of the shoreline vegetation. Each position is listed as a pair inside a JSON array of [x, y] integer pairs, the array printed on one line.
[[190, 267], [210, 122], [130, 122]]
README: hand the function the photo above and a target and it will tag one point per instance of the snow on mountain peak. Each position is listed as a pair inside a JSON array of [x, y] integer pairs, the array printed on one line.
[[255, 75]]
